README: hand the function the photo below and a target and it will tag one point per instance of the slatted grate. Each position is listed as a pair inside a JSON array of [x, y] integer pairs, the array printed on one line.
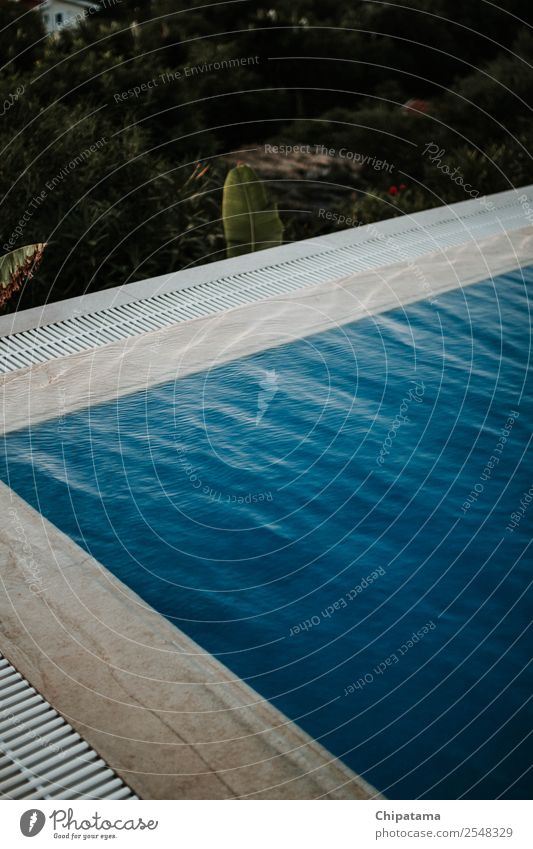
[[367, 251], [41, 756]]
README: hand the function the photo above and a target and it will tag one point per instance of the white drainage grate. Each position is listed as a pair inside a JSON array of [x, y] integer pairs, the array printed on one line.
[[41, 756], [427, 232]]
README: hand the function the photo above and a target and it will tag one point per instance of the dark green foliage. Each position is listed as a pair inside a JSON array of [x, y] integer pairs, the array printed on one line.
[[17, 267], [146, 98], [251, 222]]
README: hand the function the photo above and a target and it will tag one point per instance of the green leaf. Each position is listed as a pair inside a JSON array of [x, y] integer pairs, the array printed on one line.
[[251, 223], [16, 267]]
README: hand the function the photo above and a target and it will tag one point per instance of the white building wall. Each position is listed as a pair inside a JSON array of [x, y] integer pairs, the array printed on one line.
[[60, 13]]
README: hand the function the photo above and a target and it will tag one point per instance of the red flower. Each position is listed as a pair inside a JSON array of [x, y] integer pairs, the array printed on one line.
[[393, 190], [402, 186]]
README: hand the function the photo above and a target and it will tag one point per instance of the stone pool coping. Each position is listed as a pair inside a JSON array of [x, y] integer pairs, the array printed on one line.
[[57, 387], [167, 716], [464, 213]]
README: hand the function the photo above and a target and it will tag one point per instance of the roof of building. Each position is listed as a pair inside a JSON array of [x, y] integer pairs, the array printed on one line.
[[82, 4]]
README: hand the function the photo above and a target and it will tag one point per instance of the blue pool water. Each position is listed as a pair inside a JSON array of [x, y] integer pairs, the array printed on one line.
[[302, 513]]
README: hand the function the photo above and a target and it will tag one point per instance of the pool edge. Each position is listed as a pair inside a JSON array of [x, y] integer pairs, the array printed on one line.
[[62, 385], [221, 740]]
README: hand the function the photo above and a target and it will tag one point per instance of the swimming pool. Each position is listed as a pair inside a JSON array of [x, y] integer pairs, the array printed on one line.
[[339, 521]]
